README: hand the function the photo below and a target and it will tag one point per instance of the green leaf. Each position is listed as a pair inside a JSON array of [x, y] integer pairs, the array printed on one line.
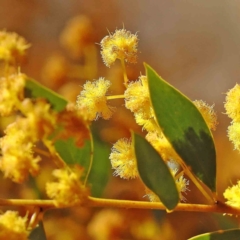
[[154, 172], [72, 154], [38, 233], [100, 171], [33, 89], [233, 234], [184, 127], [100, 167]]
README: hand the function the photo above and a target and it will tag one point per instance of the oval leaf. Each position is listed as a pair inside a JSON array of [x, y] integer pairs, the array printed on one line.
[[154, 172], [233, 234], [38, 233], [33, 89], [184, 127]]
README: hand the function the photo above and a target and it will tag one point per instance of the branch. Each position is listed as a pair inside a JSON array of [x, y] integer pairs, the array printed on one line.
[[100, 202]]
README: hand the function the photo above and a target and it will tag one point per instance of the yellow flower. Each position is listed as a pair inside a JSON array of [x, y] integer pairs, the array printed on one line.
[[208, 113], [92, 100], [137, 97], [13, 227], [234, 134], [68, 190], [11, 89], [162, 146], [123, 159], [232, 104], [77, 34], [17, 159], [138, 101], [146, 120], [232, 194], [12, 47], [120, 45], [41, 118]]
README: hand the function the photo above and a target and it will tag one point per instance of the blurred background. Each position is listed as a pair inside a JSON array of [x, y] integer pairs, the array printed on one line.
[[194, 45]]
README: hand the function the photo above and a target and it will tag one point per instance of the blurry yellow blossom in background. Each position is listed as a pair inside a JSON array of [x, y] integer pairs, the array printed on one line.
[[13, 227], [12, 47]]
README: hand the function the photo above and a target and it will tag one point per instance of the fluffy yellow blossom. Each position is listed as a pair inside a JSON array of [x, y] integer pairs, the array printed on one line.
[[146, 120], [41, 118], [13, 227], [77, 34], [17, 159], [162, 146], [93, 101], [11, 89], [120, 45], [12, 47], [232, 194], [123, 159], [182, 185], [208, 113], [68, 190], [138, 101], [234, 134], [232, 104], [137, 97]]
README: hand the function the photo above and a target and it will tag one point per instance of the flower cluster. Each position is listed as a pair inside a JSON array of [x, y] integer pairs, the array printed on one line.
[[11, 88], [93, 101], [120, 45], [123, 159], [232, 106], [232, 194], [18, 159], [13, 227], [12, 47], [68, 190], [208, 113]]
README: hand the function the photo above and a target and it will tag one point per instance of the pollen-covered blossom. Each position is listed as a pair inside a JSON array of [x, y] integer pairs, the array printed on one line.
[[12, 46], [93, 101], [234, 134], [162, 146], [208, 113], [13, 227], [138, 101], [232, 104], [68, 190], [232, 194], [42, 119], [17, 159], [137, 97], [11, 89], [123, 159], [120, 45], [77, 34]]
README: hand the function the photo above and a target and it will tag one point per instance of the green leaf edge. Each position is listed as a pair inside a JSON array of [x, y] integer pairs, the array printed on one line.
[[211, 178], [219, 235], [169, 196], [36, 90]]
